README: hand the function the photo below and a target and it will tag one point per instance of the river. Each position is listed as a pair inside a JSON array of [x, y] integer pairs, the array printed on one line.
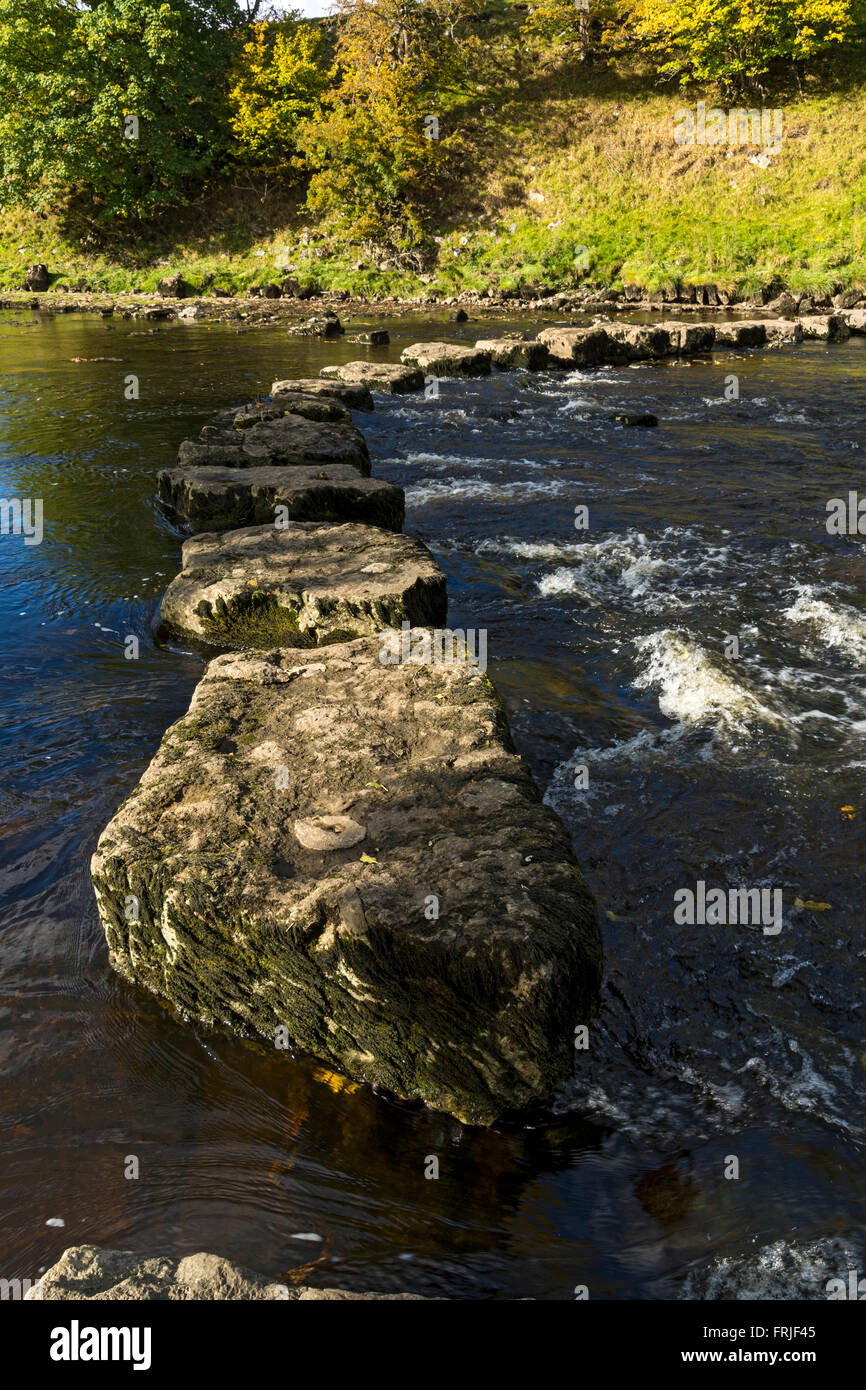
[[611, 649]]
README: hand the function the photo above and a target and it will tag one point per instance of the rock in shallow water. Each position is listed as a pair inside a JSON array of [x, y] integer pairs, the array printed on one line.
[[353, 394], [88, 1272], [223, 499], [447, 955], [284, 440], [447, 359], [378, 376], [302, 586]]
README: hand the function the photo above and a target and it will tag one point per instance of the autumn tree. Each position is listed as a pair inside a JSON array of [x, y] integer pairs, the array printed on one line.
[[382, 141], [277, 82], [737, 42]]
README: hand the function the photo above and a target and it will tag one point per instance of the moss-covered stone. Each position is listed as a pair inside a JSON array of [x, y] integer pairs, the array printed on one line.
[[446, 953], [301, 587]]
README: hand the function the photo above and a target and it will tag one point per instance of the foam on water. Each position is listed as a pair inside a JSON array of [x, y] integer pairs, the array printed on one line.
[[836, 626], [695, 689]]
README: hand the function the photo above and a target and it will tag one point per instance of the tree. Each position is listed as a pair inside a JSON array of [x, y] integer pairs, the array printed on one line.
[[736, 42], [277, 82], [379, 146], [113, 107]]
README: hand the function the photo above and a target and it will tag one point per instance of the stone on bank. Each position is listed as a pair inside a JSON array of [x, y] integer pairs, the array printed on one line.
[[349, 856]]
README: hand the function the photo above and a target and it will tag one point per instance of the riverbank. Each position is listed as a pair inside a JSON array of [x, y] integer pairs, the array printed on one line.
[[566, 179]]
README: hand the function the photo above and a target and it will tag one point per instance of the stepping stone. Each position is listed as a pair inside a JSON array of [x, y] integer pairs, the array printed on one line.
[[446, 359], [353, 395], [443, 948], [743, 333], [856, 319], [776, 331], [302, 586], [638, 342], [514, 352], [324, 325], [578, 347], [378, 376], [689, 339], [833, 328], [284, 440], [222, 499], [319, 408]]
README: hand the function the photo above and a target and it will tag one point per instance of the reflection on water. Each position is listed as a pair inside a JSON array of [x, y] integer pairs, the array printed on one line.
[[609, 648]]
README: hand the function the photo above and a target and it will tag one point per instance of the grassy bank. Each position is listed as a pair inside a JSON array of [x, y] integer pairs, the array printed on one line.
[[565, 177]]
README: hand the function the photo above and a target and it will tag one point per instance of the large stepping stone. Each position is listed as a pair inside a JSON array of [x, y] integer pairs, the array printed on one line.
[[388, 377], [689, 339], [508, 353], [578, 347], [353, 395], [302, 586], [833, 328], [223, 499], [349, 855], [286, 440], [742, 333], [447, 359], [856, 319]]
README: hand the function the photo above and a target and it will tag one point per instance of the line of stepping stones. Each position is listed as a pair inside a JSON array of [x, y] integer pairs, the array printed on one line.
[[338, 847]]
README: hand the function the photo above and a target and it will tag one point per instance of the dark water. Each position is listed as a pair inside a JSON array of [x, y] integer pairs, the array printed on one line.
[[608, 646]]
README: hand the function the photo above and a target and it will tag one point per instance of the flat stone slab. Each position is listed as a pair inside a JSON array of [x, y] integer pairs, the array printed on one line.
[[447, 359], [743, 333], [88, 1272], [833, 328], [378, 376], [280, 440], [856, 319], [223, 499], [443, 949], [354, 395], [578, 347], [509, 353], [689, 339], [303, 586]]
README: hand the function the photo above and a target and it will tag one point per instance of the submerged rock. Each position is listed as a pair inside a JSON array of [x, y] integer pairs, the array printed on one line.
[[284, 439], [445, 956], [354, 395], [88, 1272], [223, 499], [325, 325], [515, 352], [303, 586], [635, 419], [447, 359], [377, 376]]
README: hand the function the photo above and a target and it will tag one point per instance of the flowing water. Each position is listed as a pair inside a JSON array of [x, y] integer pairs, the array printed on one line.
[[671, 756]]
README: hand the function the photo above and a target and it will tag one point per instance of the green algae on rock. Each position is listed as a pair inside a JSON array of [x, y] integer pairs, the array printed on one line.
[[445, 953], [304, 586]]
